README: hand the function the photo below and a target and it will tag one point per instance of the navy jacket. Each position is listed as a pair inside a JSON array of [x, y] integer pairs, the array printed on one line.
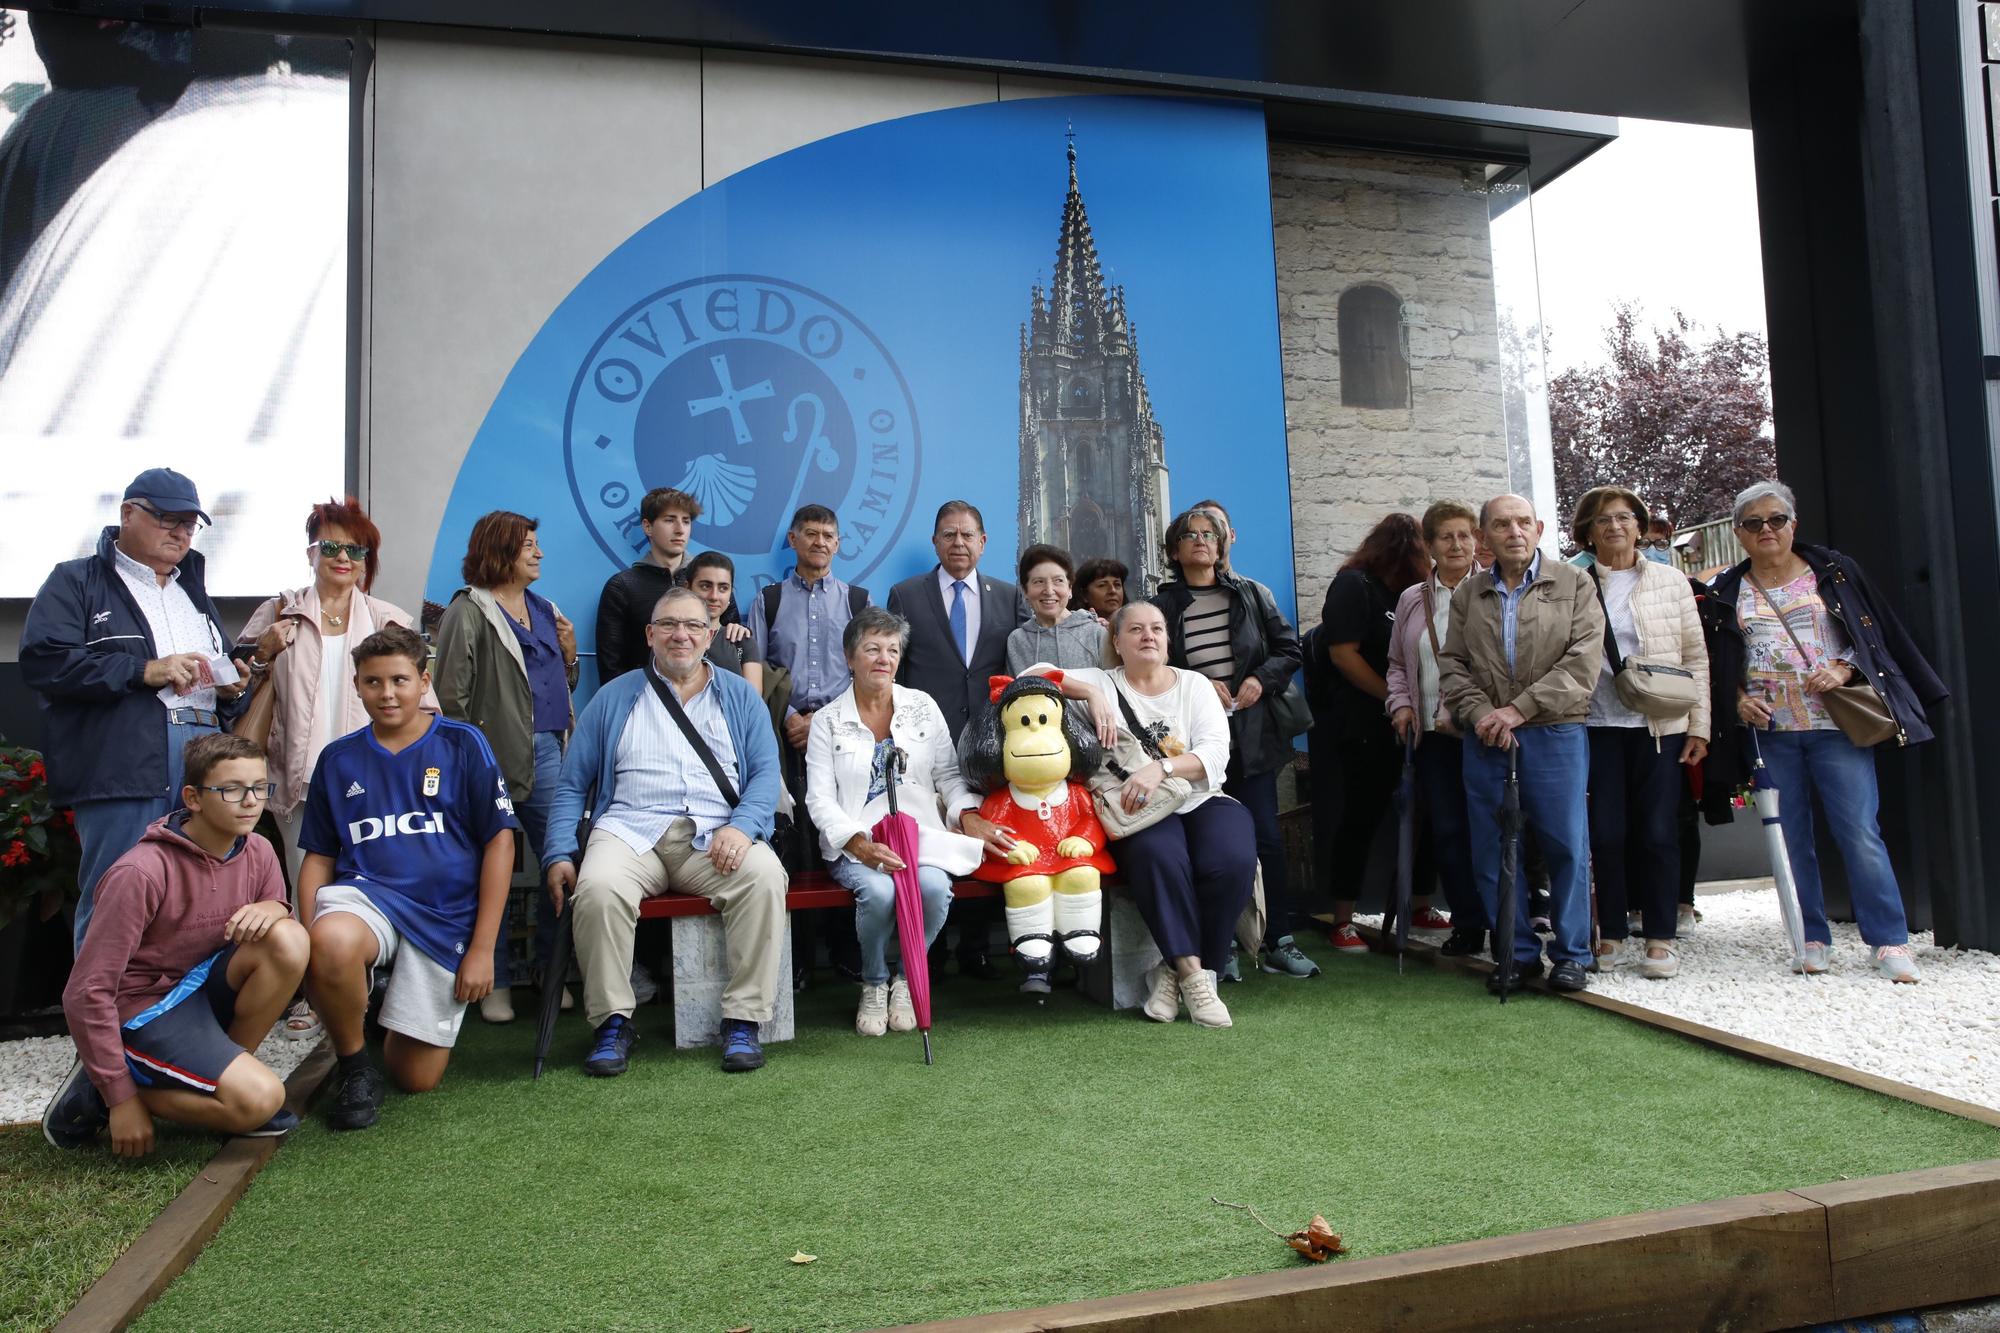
[[84, 650], [1884, 653]]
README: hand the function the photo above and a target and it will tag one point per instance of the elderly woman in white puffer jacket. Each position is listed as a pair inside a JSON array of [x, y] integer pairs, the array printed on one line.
[[1636, 759]]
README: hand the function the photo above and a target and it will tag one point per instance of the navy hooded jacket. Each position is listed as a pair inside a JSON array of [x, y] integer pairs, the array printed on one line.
[[84, 649]]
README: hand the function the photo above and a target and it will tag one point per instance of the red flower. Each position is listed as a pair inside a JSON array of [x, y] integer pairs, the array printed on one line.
[[69, 818], [16, 854], [37, 772]]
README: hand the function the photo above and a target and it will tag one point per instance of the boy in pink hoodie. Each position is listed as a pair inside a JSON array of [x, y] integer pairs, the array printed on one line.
[[190, 957]]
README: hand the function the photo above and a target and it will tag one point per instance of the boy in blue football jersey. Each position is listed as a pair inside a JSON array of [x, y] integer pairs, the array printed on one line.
[[409, 842]]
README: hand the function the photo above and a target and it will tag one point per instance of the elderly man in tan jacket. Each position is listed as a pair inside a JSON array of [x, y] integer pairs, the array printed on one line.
[[1516, 673]]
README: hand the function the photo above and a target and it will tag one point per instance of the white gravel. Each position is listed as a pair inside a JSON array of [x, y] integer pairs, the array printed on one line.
[[1942, 1034], [31, 1068]]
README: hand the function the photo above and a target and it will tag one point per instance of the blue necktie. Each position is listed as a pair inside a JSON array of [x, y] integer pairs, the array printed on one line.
[[958, 620]]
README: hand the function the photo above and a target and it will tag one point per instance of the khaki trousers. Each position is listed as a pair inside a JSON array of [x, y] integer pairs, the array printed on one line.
[[613, 881]]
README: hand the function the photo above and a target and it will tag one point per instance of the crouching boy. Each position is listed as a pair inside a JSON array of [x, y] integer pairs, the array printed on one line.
[[190, 957], [409, 842]]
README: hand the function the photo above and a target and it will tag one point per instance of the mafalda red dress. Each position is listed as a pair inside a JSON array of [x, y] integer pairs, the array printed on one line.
[[1068, 814]]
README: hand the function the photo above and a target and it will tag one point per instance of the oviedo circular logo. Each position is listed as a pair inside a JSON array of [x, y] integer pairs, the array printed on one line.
[[755, 396]]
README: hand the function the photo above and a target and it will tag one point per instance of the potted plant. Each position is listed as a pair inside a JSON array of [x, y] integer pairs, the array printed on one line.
[[39, 855]]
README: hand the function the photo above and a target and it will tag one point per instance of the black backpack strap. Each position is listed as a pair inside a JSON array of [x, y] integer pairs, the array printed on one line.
[[771, 595], [680, 717], [856, 599]]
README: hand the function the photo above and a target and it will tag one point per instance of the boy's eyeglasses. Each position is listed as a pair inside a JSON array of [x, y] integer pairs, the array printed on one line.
[[237, 793], [352, 550], [1776, 522]]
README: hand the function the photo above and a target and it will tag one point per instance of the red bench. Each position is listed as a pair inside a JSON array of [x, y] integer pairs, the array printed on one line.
[[809, 889]]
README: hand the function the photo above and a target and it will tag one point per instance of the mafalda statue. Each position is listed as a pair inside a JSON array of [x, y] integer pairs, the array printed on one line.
[[1032, 751]]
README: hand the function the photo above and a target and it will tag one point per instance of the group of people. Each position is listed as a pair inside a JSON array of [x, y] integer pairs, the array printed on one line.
[[1605, 687], [399, 777]]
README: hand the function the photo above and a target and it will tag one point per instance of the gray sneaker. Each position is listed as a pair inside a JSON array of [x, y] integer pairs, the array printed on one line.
[[1896, 962], [1231, 970], [1285, 959]]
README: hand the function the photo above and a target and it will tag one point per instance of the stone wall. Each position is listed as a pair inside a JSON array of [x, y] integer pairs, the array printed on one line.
[[1418, 227]]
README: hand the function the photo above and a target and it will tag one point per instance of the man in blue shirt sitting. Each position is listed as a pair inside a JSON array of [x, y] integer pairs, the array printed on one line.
[[409, 841], [669, 811]]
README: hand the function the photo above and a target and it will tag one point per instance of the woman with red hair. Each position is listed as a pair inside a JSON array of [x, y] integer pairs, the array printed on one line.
[[297, 645], [1355, 626]]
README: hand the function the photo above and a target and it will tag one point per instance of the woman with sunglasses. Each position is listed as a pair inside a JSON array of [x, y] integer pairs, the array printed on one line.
[[297, 644], [1808, 621]]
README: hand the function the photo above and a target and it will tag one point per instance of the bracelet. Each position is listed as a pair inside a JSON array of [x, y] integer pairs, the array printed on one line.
[[258, 668]]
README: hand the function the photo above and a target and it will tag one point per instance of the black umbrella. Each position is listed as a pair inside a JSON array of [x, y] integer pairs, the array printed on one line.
[[1510, 870], [1406, 845], [557, 975]]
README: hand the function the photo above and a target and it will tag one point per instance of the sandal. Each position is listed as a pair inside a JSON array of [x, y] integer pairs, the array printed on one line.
[[300, 1023]]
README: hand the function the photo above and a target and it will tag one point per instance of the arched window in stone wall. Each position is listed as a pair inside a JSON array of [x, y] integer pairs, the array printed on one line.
[[1374, 357]]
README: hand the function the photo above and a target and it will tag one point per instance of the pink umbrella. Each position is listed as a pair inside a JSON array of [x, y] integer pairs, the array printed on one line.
[[898, 832]]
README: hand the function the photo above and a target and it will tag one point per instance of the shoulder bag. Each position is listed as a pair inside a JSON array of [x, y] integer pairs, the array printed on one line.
[[1857, 708], [254, 722], [1646, 685], [1134, 750]]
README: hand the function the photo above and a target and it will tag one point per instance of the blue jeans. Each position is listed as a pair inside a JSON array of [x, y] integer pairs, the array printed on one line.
[[109, 829], [1554, 766], [875, 910], [1803, 763], [534, 816]]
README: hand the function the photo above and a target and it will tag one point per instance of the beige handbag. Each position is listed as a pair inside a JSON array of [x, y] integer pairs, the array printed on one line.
[[1857, 707], [1134, 751], [1646, 685]]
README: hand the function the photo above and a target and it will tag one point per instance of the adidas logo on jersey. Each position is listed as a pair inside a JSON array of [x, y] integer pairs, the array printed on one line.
[[388, 826], [355, 789]]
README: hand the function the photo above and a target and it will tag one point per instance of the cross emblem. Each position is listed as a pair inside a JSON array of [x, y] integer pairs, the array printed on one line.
[[730, 399]]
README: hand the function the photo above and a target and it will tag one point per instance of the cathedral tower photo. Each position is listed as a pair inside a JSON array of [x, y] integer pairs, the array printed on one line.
[[1093, 460]]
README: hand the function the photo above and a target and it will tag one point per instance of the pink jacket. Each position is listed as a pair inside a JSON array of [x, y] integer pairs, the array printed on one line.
[[295, 675], [1405, 663], [160, 910]]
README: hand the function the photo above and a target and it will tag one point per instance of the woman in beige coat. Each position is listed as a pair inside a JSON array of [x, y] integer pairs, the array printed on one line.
[[1635, 760], [300, 641]]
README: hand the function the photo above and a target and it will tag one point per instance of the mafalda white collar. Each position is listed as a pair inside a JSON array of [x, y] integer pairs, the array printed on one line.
[[1041, 806]]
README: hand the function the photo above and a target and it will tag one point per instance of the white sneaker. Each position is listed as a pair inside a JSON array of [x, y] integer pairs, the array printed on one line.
[[1204, 1006], [902, 1014], [1659, 969], [872, 1018], [1896, 962], [1815, 959], [498, 1006], [1163, 996]]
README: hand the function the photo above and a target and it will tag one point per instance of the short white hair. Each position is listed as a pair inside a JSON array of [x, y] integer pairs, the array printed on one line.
[[1763, 490]]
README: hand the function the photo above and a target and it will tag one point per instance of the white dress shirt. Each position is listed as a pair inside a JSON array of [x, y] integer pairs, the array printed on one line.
[[177, 624], [945, 581]]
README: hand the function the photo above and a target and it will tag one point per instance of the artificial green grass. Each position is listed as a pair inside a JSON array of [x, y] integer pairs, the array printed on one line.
[[1052, 1153], [64, 1217]]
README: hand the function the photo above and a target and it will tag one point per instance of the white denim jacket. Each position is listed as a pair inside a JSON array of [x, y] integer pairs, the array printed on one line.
[[840, 753]]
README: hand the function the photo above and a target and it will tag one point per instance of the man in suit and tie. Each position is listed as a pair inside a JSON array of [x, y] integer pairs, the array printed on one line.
[[959, 623]]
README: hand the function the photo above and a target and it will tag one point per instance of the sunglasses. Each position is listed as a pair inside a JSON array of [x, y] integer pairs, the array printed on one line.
[[1776, 522], [352, 550]]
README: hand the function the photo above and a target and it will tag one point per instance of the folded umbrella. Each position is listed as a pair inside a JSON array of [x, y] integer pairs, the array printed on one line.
[[898, 832], [1765, 794], [1406, 846], [1510, 871], [557, 975]]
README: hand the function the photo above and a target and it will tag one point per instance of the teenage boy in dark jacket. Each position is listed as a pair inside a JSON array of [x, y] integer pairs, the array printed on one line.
[[119, 645], [191, 957], [667, 518]]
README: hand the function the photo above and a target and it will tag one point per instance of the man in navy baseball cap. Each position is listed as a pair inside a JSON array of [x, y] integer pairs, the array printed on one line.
[[122, 646], [168, 492]]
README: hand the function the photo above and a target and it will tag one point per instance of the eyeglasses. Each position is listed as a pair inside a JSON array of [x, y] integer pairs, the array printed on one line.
[[1201, 538], [1776, 522], [188, 523], [1619, 519], [352, 550], [1657, 543], [668, 624], [237, 793]]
